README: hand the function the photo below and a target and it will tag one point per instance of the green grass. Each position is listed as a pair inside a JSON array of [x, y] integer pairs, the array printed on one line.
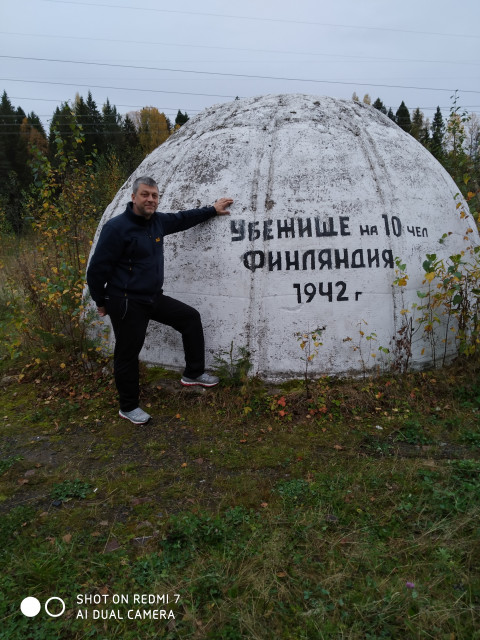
[[353, 513]]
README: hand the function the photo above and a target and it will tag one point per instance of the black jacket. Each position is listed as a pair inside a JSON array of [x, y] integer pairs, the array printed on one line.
[[128, 258]]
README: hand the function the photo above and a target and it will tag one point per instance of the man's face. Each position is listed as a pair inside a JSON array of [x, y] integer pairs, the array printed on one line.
[[145, 201]]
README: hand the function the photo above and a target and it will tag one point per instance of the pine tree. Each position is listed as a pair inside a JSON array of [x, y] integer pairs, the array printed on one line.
[[418, 125], [391, 115], [131, 153], [15, 173], [112, 127], [438, 133], [425, 139], [378, 104], [62, 124], [129, 132], [10, 122], [8, 129], [402, 118], [94, 131], [33, 136], [34, 121], [83, 121], [181, 118]]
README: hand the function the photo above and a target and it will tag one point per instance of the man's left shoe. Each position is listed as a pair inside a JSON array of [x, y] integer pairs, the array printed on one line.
[[205, 380], [137, 416]]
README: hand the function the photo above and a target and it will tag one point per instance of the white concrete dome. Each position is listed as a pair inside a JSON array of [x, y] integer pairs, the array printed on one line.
[[328, 193]]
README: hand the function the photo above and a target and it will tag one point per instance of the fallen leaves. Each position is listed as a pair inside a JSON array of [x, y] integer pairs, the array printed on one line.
[[112, 545], [136, 501]]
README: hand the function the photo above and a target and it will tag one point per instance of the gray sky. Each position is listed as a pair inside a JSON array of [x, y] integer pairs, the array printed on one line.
[[191, 55]]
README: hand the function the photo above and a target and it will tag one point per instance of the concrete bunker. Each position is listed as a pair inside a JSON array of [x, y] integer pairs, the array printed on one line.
[[328, 194]]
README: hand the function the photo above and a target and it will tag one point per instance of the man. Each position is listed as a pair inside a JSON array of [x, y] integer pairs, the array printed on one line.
[[125, 278]]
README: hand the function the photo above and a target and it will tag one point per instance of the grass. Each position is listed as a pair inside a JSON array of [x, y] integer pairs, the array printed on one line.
[[351, 513]]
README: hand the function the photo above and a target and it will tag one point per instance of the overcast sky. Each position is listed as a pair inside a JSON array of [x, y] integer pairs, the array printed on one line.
[[190, 55]]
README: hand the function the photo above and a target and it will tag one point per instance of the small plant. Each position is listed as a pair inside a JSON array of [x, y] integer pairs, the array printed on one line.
[[309, 343], [402, 341], [471, 438], [413, 433], [7, 463], [233, 369], [457, 492], [452, 301], [14, 521], [294, 491], [70, 489], [469, 396], [360, 345], [449, 309], [279, 407]]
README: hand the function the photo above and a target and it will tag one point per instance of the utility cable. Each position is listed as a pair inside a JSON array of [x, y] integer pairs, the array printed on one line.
[[289, 21], [249, 50], [235, 75]]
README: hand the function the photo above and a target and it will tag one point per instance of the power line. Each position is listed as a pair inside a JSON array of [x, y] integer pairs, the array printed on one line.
[[164, 109], [97, 86], [249, 50], [86, 116], [130, 106], [135, 106], [232, 75], [169, 111], [68, 132], [260, 19]]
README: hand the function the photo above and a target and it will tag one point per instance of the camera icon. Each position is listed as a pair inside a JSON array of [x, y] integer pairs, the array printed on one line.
[[30, 607]]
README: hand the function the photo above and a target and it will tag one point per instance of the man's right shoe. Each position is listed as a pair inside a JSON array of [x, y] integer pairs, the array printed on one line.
[[205, 380], [137, 416]]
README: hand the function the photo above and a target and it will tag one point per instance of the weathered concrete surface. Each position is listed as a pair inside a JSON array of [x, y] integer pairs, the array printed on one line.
[[327, 194]]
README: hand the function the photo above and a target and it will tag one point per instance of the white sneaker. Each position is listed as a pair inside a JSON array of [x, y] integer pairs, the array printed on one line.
[[137, 416], [205, 380]]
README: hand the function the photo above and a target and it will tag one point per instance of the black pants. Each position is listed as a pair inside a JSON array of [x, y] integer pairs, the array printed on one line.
[[130, 321]]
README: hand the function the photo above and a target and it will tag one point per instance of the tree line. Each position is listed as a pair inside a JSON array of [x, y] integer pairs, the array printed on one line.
[[453, 141], [117, 144]]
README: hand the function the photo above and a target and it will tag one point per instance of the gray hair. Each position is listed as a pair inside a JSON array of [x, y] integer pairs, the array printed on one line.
[[150, 182]]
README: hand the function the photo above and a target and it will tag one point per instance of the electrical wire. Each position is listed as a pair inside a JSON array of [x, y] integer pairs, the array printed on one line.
[[130, 106], [97, 86], [234, 75], [247, 50], [260, 19]]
